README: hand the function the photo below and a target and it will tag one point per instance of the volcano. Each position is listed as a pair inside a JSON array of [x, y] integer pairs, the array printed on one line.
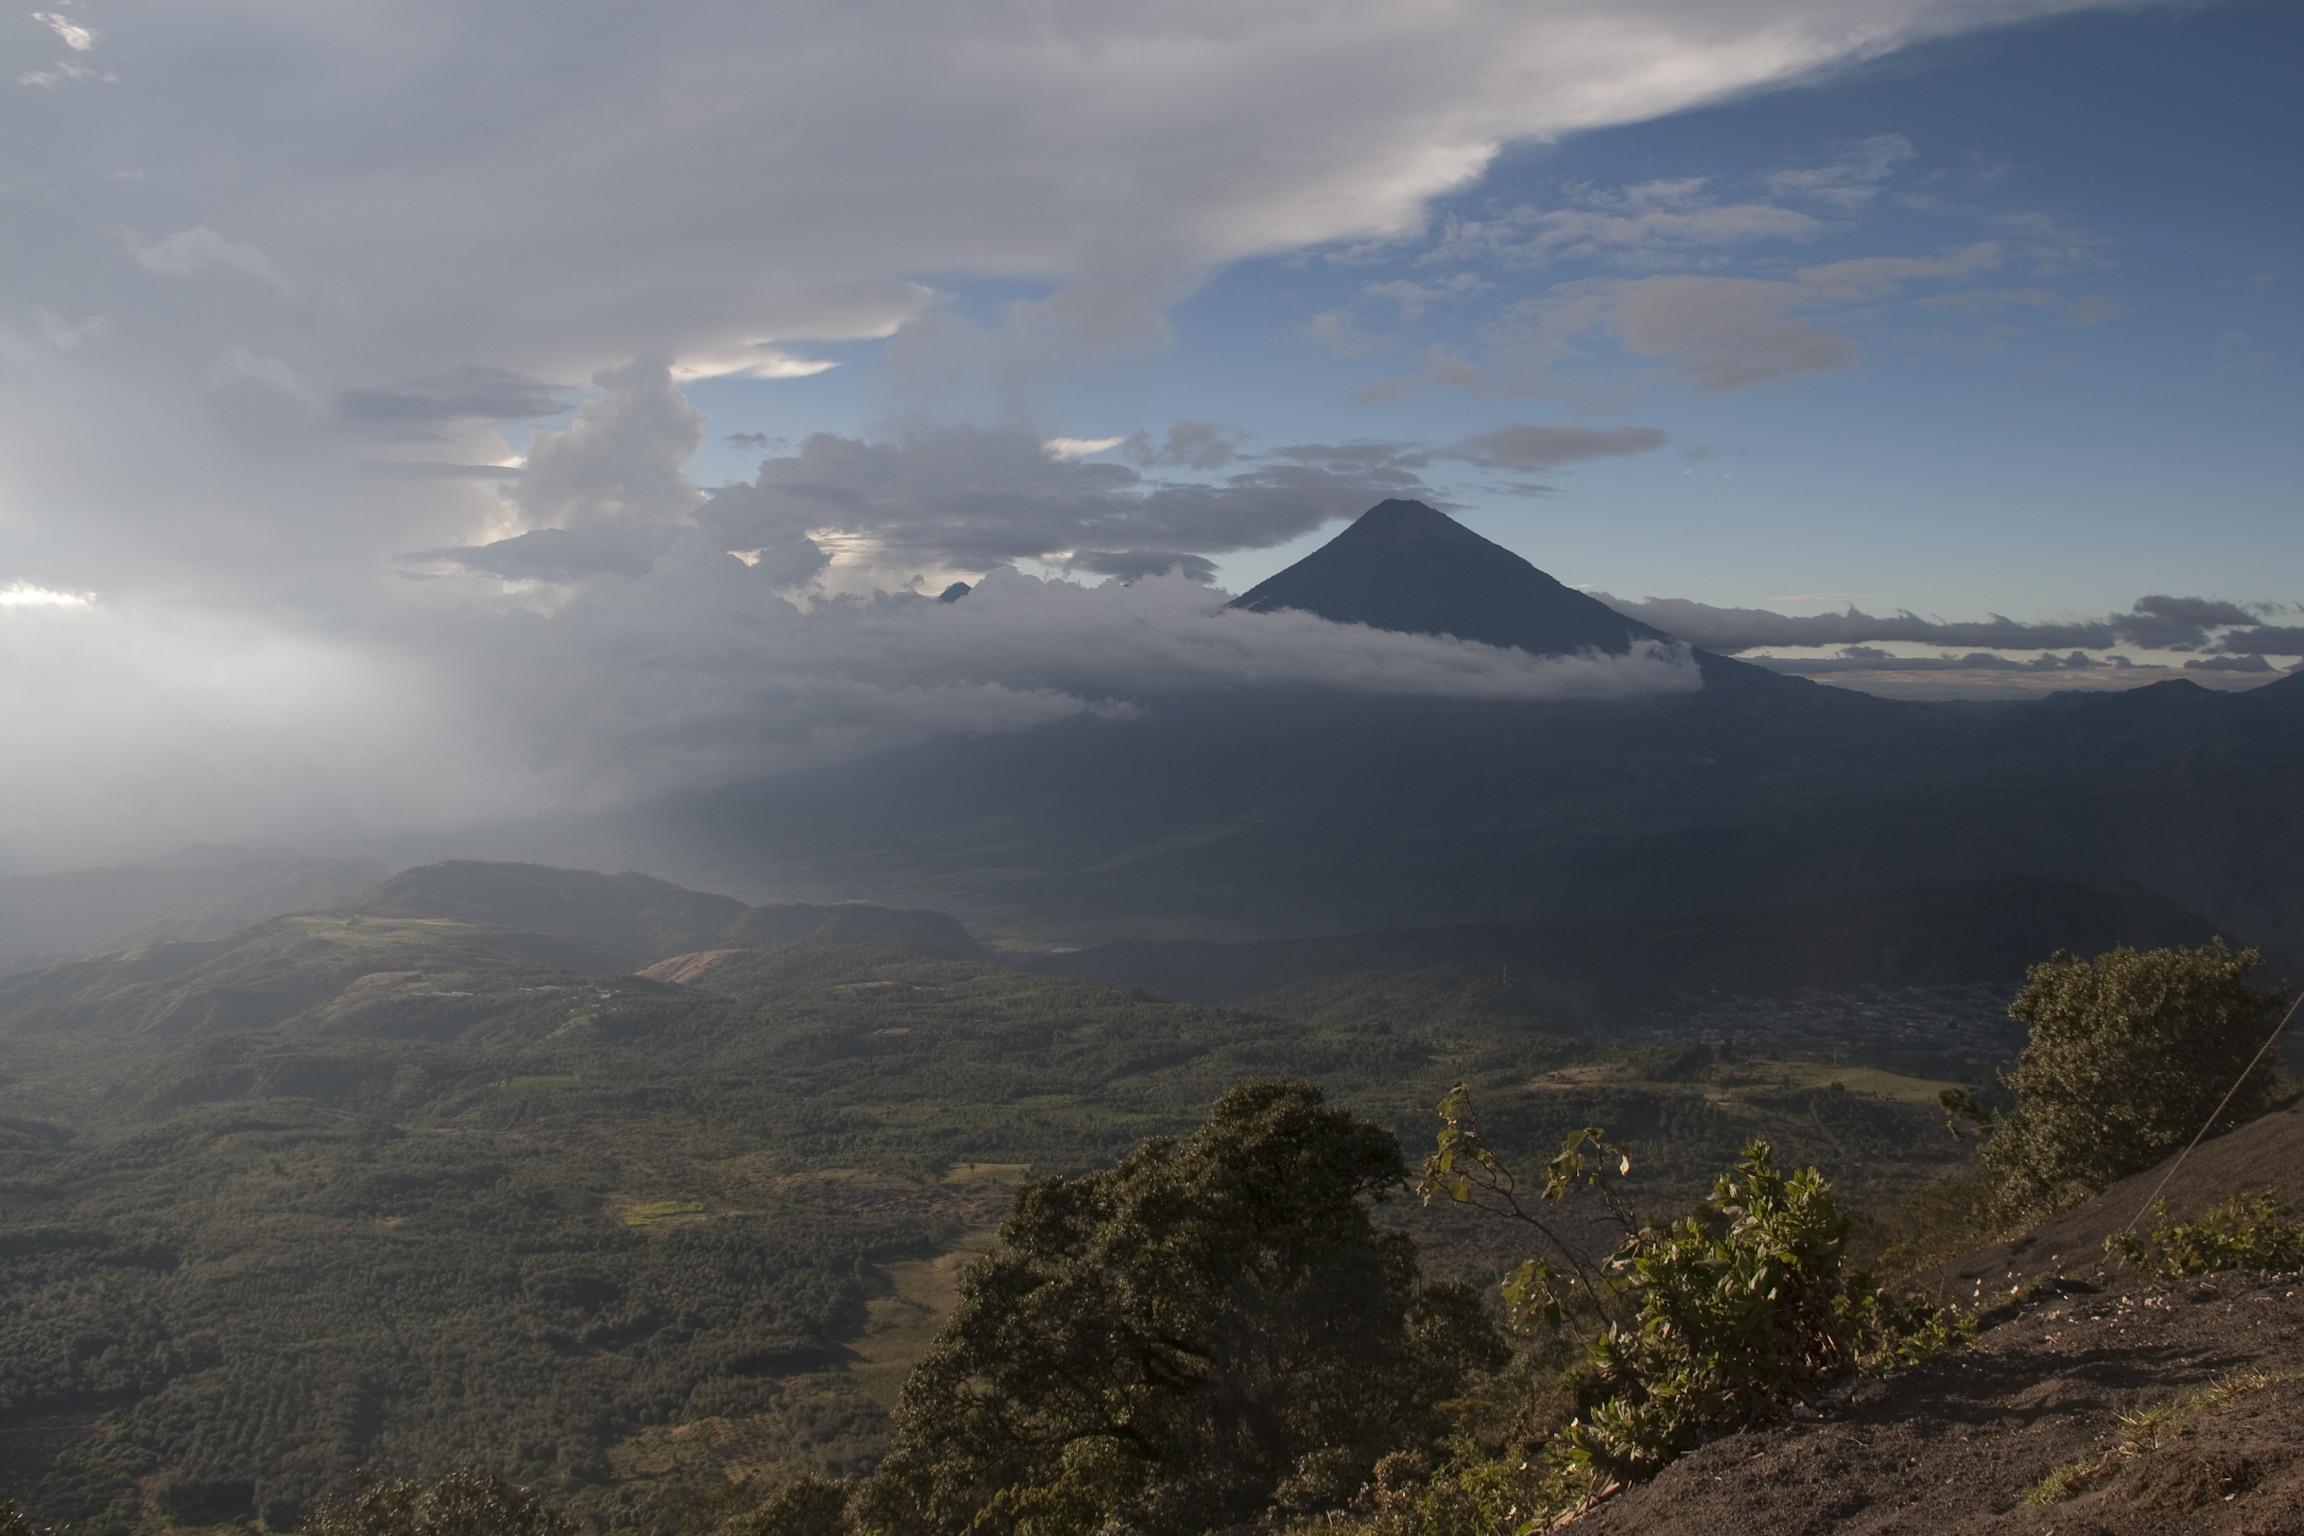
[[1404, 566]]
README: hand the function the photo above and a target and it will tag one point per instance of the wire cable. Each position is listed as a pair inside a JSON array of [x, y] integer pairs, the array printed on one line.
[[2217, 1114]]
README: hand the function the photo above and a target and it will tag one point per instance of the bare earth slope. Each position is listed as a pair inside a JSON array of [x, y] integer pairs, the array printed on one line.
[[1954, 1444]]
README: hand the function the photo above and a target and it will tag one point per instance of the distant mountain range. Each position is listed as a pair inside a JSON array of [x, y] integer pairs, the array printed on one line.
[[1266, 811], [1263, 812], [200, 892]]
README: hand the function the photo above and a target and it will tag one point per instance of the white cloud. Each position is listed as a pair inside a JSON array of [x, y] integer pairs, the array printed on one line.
[[201, 249], [1655, 223], [754, 360], [1079, 447], [22, 594], [76, 37], [65, 335], [1850, 179]]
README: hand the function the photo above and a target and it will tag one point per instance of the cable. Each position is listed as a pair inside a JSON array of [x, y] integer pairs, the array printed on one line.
[[2216, 1114]]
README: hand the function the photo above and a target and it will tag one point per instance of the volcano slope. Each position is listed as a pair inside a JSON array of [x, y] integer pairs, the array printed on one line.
[[2074, 1343]]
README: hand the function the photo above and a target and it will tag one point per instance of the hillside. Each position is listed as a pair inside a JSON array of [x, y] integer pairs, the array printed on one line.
[[197, 893], [409, 1191], [1919, 974], [1956, 1443]]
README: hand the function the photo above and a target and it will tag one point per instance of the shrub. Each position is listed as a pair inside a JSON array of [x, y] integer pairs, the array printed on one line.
[[2247, 1231], [465, 1503], [2130, 1055], [1709, 1324]]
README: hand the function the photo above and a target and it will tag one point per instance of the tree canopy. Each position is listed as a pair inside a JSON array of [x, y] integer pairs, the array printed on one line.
[[2131, 1052], [1210, 1329]]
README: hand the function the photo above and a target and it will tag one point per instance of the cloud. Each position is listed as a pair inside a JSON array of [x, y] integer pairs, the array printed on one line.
[[427, 469], [754, 360], [200, 249], [1637, 226], [1078, 447], [468, 393], [2153, 623], [402, 221], [76, 37], [620, 460], [1851, 178], [1722, 333], [686, 675], [1188, 445], [22, 594], [1533, 447], [972, 499]]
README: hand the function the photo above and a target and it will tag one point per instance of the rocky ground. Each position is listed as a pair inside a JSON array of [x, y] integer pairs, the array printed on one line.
[[2071, 1344]]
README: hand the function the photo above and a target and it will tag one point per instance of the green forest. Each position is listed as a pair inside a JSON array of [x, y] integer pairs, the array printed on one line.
[[354, 1194]]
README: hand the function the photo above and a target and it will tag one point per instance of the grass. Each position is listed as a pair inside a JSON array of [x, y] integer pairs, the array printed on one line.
[[658, 1210], [2145, 1431]]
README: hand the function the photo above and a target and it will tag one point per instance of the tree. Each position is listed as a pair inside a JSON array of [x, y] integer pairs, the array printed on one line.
[[2130, 1055], [465, 1503], [1211, 1329]]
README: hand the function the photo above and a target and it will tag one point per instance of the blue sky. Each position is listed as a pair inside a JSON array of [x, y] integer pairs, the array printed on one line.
[[412, 415], [2108, 406]]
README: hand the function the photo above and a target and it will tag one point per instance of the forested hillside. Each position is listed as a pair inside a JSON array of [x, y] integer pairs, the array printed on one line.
[[406, 1192]]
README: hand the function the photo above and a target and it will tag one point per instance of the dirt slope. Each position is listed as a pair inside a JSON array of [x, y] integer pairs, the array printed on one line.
[[1953, 1445]]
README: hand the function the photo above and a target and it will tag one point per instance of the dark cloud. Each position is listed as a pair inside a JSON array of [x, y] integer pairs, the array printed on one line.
[[562, 554], [1134, 564], [2269, 639], [967, 498], [1189, 445], [2249, 663], [471, 393], [414, 469], [2154, 623], [747, 439], [2179, 623], [1534, 447]]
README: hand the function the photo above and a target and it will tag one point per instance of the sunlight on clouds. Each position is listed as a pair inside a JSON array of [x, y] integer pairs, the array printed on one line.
[[1078, 447], [24, 595], [756, 360], [76, 37]]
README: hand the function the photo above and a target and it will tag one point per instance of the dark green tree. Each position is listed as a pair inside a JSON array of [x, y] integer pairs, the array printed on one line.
[[466, 1503], [2130, 1054], [1209, 1330]]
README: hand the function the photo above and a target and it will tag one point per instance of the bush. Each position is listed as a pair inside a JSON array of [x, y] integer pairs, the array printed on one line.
[[1744, 1311], [806, 1506], [1710, 1324], [2130, 1055], [465, 1503], [2247, 1231]]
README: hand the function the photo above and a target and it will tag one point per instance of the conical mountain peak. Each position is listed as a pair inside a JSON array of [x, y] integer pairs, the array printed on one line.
[[1406, 566]]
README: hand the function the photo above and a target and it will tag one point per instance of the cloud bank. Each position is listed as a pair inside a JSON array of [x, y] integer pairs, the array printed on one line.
[[2159, 623]]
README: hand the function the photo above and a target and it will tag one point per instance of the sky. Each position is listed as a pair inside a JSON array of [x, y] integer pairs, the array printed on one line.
[[416, 414]]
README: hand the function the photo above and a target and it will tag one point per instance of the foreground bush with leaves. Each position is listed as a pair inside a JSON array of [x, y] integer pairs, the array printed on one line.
[[2246, 1231], [1703, 1326]]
